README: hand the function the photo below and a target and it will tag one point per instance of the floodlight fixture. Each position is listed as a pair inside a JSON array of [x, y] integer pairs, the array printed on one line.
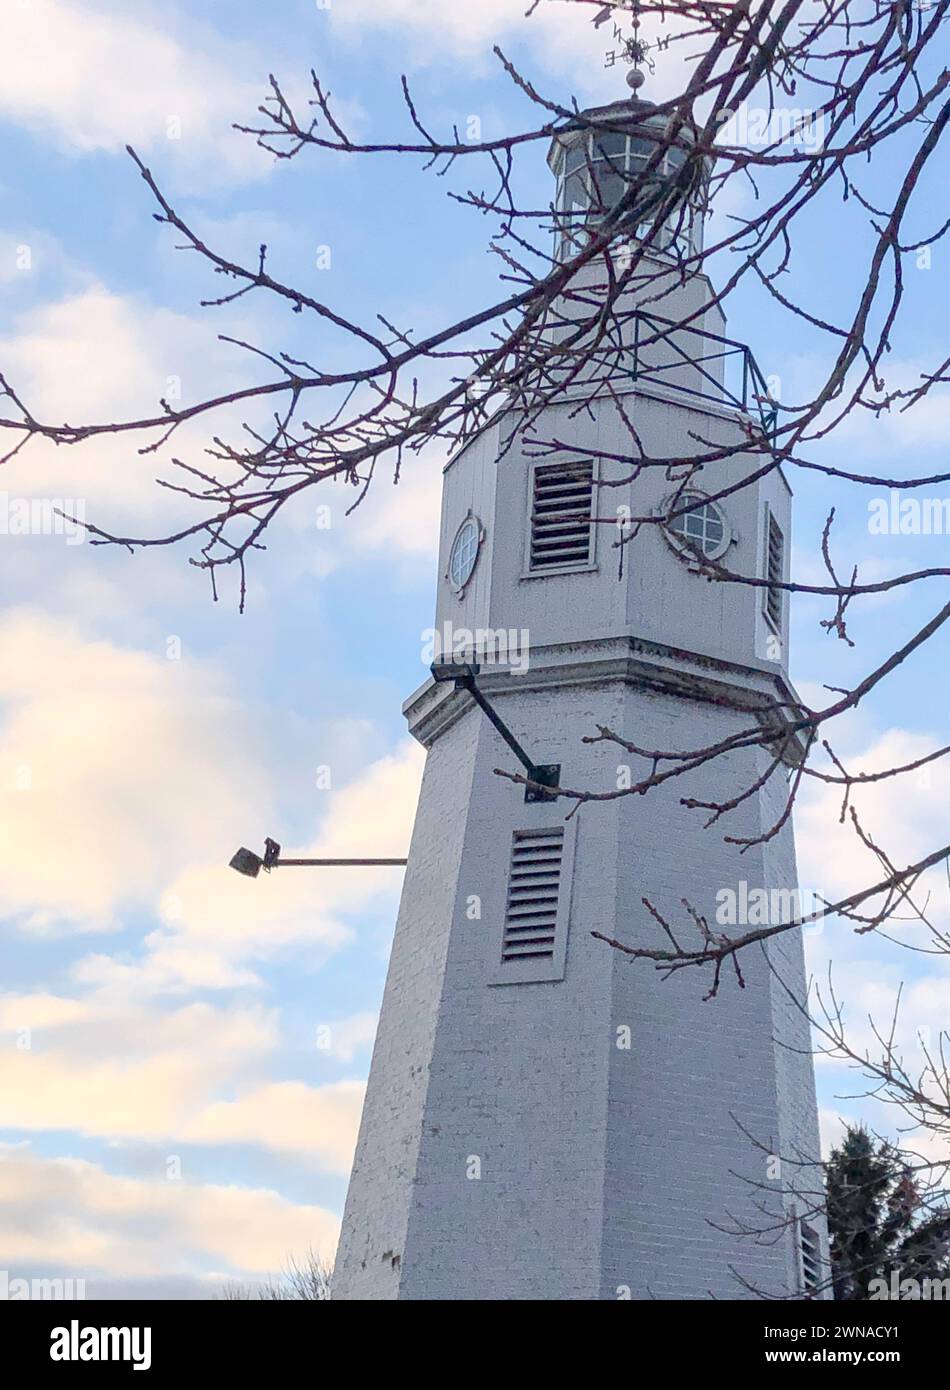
[[250, 864], [247, 862]]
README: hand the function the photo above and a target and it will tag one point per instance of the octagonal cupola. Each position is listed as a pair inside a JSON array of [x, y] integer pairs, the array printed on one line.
[[620, 164]]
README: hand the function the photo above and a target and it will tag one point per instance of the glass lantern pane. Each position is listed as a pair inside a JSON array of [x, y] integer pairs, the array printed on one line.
[[575, 157], [575, 190], [640, 150], [611, 147], [609, 187]]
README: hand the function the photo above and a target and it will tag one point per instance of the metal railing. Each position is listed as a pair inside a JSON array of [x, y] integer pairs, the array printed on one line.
[[750, 393]]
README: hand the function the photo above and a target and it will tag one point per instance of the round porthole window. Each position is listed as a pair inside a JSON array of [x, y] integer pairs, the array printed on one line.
[[463, 557], [700, 526]]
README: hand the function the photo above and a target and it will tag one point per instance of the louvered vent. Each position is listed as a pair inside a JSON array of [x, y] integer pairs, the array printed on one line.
[[811, 1259], [561, 510], [533, 887], [776, 566]]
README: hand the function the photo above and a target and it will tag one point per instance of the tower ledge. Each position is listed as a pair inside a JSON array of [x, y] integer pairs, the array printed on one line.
[[631, 660]]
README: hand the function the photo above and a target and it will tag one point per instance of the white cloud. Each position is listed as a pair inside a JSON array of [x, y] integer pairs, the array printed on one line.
[[868, 983], [400, 522], [560, 36], [888, 443], [868, 973], [290, 1117], [903, 814], [26, 252], [401, 519], [350, 1035], [832, 1127], [41, 1011], [90, 358], [921, 1008], [459, 28], [94, 354], [123, 1073], [116, 768], [170, 966], [91, 77], [94, 357], [373, 816], [128, 1072], [65, 1214], [898, 435]]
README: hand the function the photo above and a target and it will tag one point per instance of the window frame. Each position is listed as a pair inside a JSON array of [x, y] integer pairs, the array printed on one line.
[[679, 542], [467, 519]]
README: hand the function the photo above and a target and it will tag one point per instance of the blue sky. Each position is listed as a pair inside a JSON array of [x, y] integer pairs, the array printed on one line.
[[171, 1115]]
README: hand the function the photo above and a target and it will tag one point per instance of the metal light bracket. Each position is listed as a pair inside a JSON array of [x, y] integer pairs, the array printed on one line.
[[542, 775]]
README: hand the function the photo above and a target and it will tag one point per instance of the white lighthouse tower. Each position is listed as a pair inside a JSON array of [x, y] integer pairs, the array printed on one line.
[[546, 1119]]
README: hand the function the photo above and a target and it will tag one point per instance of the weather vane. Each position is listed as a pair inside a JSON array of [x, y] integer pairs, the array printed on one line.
[[628, 46]]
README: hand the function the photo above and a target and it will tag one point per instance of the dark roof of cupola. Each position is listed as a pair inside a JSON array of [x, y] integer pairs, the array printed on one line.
[[630, 110]]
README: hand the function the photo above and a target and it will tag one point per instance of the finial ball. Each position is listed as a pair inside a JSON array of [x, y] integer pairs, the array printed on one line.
[[635, 79]]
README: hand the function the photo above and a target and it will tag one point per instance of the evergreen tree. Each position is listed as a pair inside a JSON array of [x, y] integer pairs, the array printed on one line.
[[878, 1220]]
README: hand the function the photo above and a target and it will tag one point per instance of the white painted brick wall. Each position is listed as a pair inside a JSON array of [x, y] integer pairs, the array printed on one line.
[[601, 1170], [380, 1191]]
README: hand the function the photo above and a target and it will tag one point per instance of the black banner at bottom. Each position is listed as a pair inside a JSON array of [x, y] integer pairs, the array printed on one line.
[[162, 1340]]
